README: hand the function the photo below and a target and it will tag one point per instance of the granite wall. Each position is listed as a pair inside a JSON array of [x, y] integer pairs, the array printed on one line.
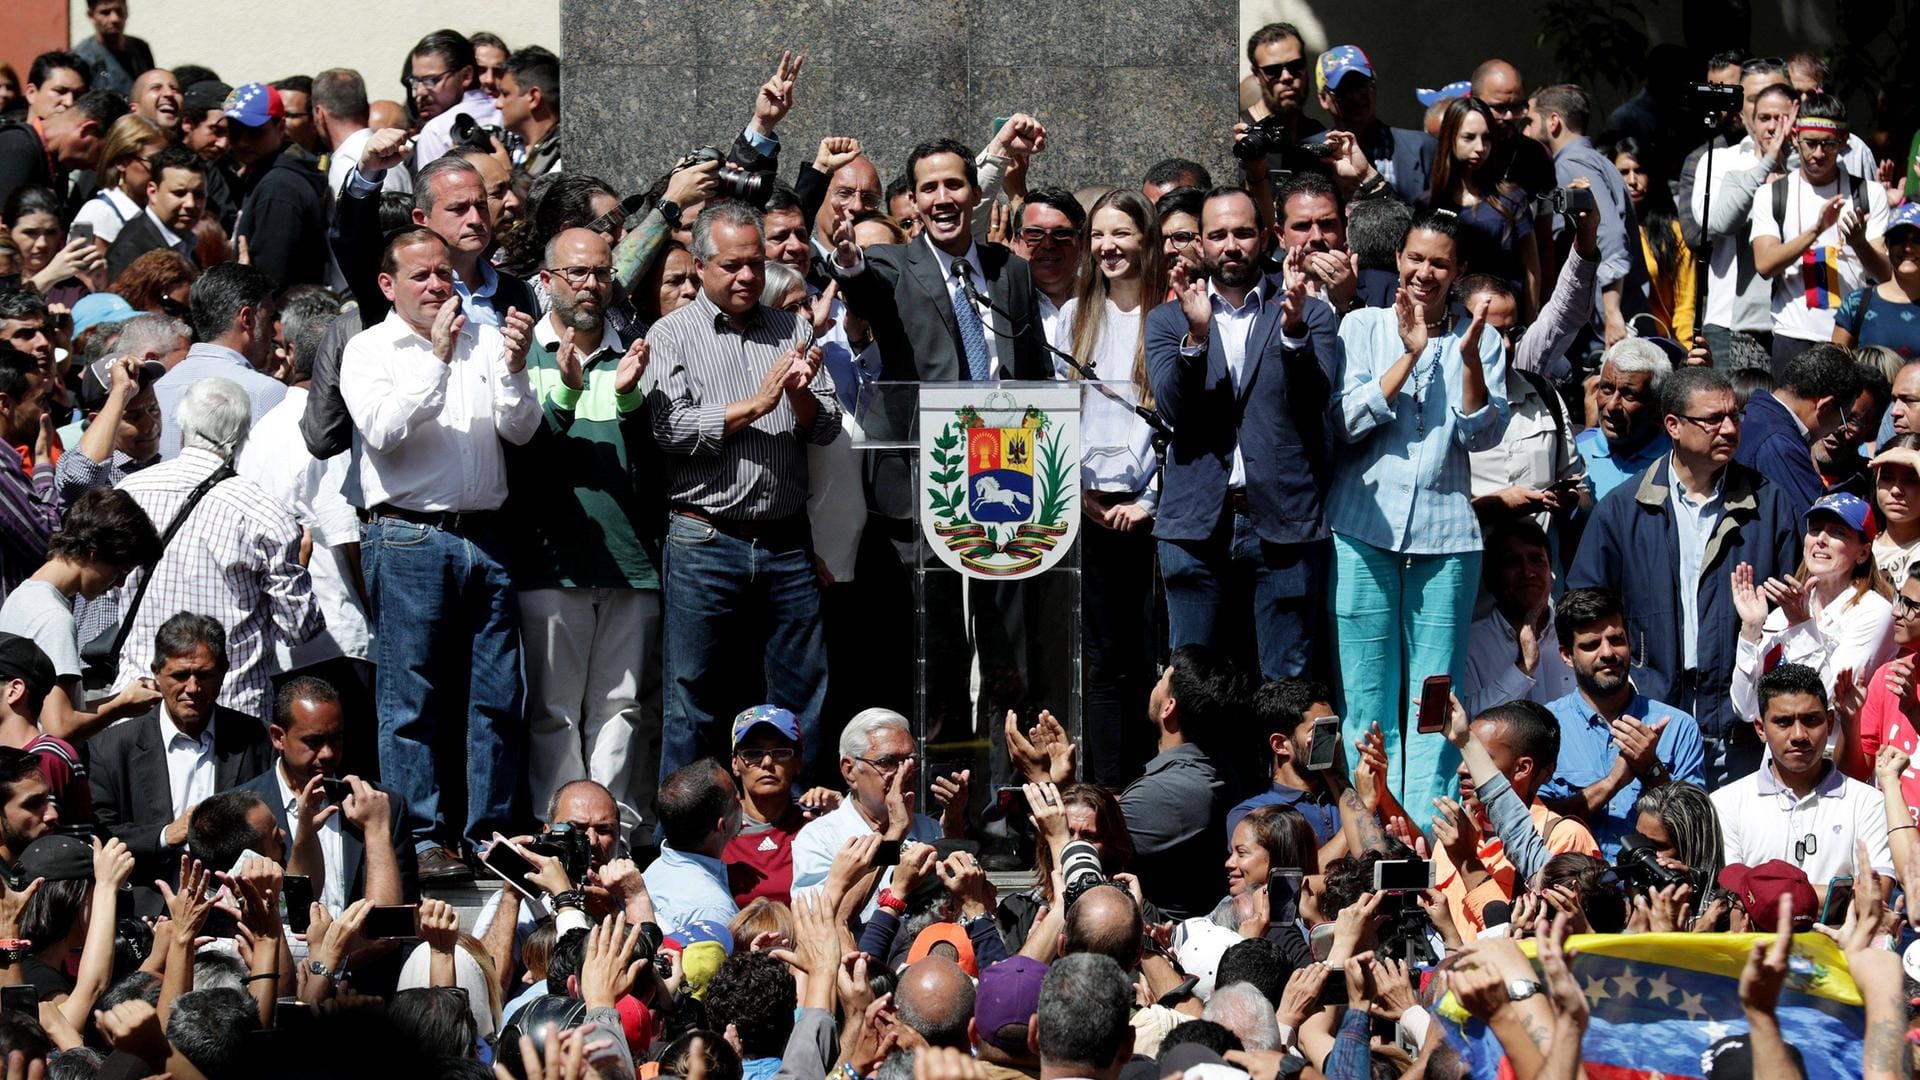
[[1119, 84]]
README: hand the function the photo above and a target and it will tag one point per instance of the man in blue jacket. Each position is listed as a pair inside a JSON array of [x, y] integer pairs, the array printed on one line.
[[1243, 365], [1667, 542], [1779, 428]]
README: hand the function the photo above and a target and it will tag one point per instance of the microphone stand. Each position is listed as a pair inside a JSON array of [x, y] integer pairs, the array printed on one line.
[[1162, 431]]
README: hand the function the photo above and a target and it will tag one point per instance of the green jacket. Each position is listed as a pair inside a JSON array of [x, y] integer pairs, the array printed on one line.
[[584, 507]]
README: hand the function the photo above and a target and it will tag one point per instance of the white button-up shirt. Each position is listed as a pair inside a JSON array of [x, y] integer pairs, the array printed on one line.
[[428, 433], [1762, 819], [1493, 668], [1233, 324], [333, 892], [1693, 525], [190, 773]]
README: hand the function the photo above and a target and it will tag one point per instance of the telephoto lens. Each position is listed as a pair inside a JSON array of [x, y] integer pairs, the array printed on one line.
[[1080, 866]]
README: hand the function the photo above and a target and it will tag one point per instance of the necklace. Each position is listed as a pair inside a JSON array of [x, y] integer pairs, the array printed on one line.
[[1432, 372]]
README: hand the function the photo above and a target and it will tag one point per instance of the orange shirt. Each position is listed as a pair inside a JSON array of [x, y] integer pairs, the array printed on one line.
[[1562, 834]]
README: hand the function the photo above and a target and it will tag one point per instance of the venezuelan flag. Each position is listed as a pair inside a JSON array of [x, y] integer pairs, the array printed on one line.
[[1820, 273], [1659, 1001]]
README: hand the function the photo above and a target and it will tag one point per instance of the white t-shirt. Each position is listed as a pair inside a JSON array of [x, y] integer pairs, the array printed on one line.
[[108, 212], [1808, 292], [37, 610]]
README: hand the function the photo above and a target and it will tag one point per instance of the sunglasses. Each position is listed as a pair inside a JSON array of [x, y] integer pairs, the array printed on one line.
[[1295, 68]]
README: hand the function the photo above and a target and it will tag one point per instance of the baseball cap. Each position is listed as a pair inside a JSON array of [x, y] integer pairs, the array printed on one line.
[[97, 381], [1759, 889], [21, 658], [949, 934], [102, 307], [773, 716], [1430, 98], [253, 104], [1008, 996], [1199, 946], [1907, 215], [1849, 508], [1731, 1058], [1339, 62], [203, 97], [57, 857]]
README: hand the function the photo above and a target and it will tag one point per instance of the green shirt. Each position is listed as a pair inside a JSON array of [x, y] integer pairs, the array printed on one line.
[[583, 507]]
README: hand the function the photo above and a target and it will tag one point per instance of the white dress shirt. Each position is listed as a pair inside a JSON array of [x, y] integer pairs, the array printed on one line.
[[428, 433], [1850, 634], [958, 298], [174, 241], [333, 891], [276, 457], [1493, 669], [1233, 324], [190, 773]]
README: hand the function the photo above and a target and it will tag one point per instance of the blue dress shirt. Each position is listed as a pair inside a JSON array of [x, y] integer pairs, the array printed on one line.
[[687, 887], [1319, 808], [1607, 470], [1587, 751]]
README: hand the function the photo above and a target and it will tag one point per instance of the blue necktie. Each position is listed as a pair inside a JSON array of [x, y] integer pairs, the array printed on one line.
[[973, 337]]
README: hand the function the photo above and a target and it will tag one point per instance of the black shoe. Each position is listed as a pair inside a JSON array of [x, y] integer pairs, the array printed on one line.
[[438, 866]]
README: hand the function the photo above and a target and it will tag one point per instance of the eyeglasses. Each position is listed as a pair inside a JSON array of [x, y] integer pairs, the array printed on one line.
[[779, 755], [415, 82], [298, 115], [1506, 108], [1036, 236], [1904, 608], [1295, 68], [1183, 239], [889, 763], [577, 276], [1821, 146], [1713, 423]]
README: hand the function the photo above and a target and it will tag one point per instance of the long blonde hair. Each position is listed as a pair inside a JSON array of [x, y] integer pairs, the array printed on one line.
[[125, 139], [1090, 294]]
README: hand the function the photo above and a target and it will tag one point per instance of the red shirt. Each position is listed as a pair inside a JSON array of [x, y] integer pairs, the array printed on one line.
[[1881, 723], [760, 862]]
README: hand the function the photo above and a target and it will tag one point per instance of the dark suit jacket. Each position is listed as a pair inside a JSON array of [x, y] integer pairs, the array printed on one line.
[[1280, 418], [23, 162], [353, 844], [132, 799], [137, 237], [903, 296]]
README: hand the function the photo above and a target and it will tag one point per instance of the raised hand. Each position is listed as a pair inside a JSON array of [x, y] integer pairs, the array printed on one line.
[[692, 184], [835, 152], [1568, 999], [566, 360], [1889, 766], [1195, 304], [1059, 748], [387, 148], [951, 793], [1470, 344], [517, 329], [967, 881], [133, 1027], [112, 864], [366, 808], [916, 862], [1412, 322], [1830, 212], [439, 925], [608, 972], [822, 313], [1293, 294], [189, 907], [447, 325], [1900, 684], [775, 99], [1021, 136], [1748, 602], [1298, 1000], [1766, 969], [1454, 830], [1639, 743]]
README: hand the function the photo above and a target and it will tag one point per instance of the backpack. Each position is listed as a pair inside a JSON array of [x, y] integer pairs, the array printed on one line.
[[1779, 191]]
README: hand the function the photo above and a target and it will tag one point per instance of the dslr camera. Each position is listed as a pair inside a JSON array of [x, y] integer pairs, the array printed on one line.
[[1640, 871], [568, 844], [1080, 866], [1264, 137], [730, 181], [470, 134]]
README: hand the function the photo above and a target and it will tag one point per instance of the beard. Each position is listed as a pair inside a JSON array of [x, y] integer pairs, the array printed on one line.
[[1598, 683], [574, 314], [1237, 275]]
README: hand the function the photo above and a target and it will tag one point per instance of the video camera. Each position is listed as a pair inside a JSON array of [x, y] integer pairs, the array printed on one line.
[[1564, 200], [731, 181], [1640, 870], [1713, 100]]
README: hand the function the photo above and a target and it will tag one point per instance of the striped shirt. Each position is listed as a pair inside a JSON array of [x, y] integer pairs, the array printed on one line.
[[699, 366], [29, 512], [236, 559], [1406, 486]]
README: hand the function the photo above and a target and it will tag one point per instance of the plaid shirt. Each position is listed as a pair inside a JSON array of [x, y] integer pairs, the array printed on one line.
[[236, 559]]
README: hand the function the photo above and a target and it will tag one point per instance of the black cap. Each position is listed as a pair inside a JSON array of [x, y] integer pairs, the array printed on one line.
[[96, 382], [21, 658], [57, 857], [204, 97]]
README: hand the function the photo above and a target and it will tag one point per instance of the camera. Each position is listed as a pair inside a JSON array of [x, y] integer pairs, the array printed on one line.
[[1403, 930], [1563, 200], [1640, 871], [1263, 138], [1080, 866], [730, 181], [470, 134], [570, 846], [1713, 99]]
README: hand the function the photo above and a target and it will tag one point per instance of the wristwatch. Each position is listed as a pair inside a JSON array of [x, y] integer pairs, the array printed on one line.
[[317, 968], [14, 950], [891, 902], [1521, 989], [670, 211]]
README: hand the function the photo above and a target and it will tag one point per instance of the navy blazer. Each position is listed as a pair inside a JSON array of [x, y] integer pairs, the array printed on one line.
[[1771, 444], [1281, 419], [353, 846]]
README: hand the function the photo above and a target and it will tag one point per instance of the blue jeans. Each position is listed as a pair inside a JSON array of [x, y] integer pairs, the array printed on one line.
[[1234, 587], [742, 629], [447, 646]]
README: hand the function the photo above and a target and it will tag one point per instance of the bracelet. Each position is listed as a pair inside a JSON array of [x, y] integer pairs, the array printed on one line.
[[1897, 828], [848, 1072], [571, 898], [263, 975]]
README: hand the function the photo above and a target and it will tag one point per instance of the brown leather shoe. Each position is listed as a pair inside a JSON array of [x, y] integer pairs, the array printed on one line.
[[438, 866]]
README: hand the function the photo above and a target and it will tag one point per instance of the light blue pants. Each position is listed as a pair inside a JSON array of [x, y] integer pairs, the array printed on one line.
[[1398, 619]]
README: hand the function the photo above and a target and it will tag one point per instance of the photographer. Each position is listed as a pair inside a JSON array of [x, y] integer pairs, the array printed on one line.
[[1681, 831]]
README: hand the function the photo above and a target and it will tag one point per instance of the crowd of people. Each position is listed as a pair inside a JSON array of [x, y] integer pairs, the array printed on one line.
[[1496, 539]]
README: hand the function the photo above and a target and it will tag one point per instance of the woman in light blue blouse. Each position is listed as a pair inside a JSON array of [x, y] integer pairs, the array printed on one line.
[[1424, 385]]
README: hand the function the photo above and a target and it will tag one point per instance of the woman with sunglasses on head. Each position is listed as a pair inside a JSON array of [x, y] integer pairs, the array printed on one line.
[[1497, 231], [1833, 616]]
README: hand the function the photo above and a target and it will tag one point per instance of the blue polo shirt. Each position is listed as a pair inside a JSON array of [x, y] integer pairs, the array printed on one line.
[[1318, 807], [1606, 470], [1587, 752]]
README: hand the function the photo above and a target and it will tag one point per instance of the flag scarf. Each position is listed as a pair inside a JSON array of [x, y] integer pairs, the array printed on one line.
[[1660, 1001]]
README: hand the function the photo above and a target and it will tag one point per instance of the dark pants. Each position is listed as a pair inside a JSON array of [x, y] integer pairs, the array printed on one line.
[[1236, 592], [1118, 626], [447, 681], [1785, 351]]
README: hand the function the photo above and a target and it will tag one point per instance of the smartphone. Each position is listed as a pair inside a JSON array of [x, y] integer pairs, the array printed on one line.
[[1434, 704], [1334, 990], [946, 846], [998, 123], [1402, 875], [22, 998], [336, 790], [1283, 895], [887, 853], [1323, 750], [511, 867], [397, 921], [220, 924], [1839, 899], [297, 890], [80, 230]]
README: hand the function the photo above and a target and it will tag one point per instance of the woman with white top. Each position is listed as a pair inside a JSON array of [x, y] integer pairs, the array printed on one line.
[[1835, 616], [1896, 488], [124, 169], [1121, 277]]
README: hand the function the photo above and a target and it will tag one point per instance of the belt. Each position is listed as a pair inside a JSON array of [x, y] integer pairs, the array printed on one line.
[[1237, 500], [449, 520], [792, 529]]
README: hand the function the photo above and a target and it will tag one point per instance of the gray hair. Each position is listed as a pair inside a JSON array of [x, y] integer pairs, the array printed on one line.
[[780, 278], [103, 339], [214, 416], [1242, 1009], [217, 970], [423, 193], [1633, 356], [185, 632], [722, 212], [1085, 1001], [856, 739], [144, 333]]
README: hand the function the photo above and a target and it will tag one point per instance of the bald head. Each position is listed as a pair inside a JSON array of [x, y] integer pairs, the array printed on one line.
[[386, 114], [578, 245], [1104, 920], [854, 188], [1499, 85], [1496, 74], [935, 998]]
